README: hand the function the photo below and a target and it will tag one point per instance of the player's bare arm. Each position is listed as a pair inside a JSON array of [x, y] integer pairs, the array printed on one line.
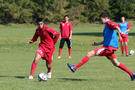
[[97, 43], [60, 35], [119, 32], [70, 35], [29, 42], [126, 31]]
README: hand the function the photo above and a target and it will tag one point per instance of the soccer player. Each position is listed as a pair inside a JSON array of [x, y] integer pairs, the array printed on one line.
[[65, 35], [110, 45], [48, 39], [125, 28]]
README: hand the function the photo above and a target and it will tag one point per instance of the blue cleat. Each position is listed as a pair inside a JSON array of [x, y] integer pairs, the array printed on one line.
[[133, 77], [72, 67]]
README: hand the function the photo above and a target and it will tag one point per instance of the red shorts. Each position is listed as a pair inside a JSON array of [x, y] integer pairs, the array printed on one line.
[[124, 38], [105, 51], [46, 53]]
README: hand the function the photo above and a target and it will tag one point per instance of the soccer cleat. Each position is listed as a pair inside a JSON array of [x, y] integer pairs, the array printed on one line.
[[122, 55], [127, 55], [72, 67], [59, 57], [133, 77], [69, 57], [30, 77], [49, 75]]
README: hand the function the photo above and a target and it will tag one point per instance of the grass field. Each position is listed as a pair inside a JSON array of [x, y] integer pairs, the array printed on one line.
[[98, 74]]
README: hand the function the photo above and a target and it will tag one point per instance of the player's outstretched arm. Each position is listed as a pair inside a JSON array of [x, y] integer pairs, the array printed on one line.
[[118, 29], [96, 44], [34, 38], [119, 32]]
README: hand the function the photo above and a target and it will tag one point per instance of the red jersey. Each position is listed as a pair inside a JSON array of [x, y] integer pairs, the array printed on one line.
[[65, 29], [46, 35], [111, 25]]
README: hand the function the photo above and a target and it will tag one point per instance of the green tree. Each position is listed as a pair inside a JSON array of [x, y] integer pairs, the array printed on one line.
[[95, 7], [26, 11], [122, 7]]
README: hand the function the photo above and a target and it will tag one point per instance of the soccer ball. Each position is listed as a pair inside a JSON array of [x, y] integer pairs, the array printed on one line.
[[42, 76], [131, 52]]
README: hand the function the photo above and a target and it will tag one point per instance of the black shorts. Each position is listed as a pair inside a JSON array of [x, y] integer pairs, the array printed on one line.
[[62, 41]]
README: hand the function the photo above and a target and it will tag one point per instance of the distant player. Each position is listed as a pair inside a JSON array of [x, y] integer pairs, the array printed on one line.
[[110, 45], [125, 28], [48, 38], [65, 35]]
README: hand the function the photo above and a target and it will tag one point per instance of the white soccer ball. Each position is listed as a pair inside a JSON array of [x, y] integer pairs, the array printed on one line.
[[131, 52], [42, 76]]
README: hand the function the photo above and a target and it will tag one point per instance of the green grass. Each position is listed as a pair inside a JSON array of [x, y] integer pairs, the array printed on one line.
[[98, 74]]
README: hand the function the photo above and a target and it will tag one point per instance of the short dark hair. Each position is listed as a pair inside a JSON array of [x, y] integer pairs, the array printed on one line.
[[104, 14], [39, 20], [66, 16], [122, 16]]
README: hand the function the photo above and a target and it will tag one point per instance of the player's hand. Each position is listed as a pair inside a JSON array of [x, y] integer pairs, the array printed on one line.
[[60, 38], [94, 44], [70, 38], [29, 42], [122, 33]]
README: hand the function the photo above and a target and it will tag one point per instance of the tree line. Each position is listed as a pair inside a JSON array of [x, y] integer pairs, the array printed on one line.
[[26, 11]]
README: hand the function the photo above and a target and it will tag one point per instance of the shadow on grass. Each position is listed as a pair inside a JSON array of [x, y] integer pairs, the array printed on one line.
[[19, 77], [99, 34], [72, 79], [131, 34], [89, 34]]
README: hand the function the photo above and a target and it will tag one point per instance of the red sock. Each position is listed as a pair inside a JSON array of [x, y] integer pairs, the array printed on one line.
[[69, 51], [84, 60], [60, 50], [33, 68], [122, 49], [126, 49], [49, 69], [123, 67]]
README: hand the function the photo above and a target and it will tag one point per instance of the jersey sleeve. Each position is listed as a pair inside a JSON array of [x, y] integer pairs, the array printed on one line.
[[118, 25], [53, 32], [111, 25], [35, 37], [60, 26], [128, 26], [70, 27]]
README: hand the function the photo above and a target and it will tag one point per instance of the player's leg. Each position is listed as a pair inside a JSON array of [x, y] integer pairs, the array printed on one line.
[[69, 44], [34, 65], [49, 62], [73, 68], [126, 48], [62, 41], [125, 42], [49, 67], [122, 49], [116, 63]]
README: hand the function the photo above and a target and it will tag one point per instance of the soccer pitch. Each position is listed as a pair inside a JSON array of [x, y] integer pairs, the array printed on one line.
[[97, 74]]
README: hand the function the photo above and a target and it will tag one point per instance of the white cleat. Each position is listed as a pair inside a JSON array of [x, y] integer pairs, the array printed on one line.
[[69, 57], [49, 75], [30, 77]]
